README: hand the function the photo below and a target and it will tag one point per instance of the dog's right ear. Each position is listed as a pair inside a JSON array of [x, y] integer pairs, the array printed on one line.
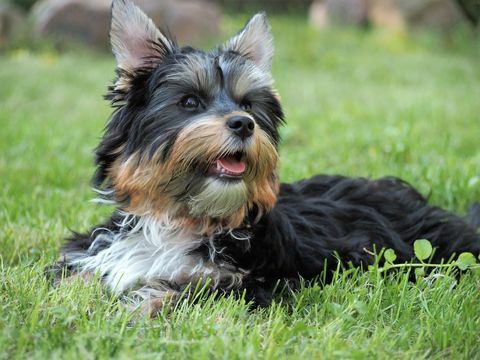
[[136, 42]]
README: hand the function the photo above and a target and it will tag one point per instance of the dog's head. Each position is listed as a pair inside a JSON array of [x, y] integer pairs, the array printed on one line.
[[194, 134]]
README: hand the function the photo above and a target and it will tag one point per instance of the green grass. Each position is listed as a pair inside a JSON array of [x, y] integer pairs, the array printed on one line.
[[366, 104]]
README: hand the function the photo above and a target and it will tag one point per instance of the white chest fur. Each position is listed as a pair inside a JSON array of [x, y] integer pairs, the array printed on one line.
[[150, 252]]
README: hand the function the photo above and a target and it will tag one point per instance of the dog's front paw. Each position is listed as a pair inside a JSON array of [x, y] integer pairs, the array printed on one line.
[[152, 305]]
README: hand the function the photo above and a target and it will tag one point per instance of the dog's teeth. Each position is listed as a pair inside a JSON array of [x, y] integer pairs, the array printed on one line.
[[220, 168]]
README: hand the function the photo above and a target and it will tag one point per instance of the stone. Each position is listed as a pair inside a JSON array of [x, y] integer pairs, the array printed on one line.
[[189, 21], [12, 22], [440, 14], [88, 21], [84, 21], [386, 14], [341, 12], [392, 14], [318, 15], [348, 12]]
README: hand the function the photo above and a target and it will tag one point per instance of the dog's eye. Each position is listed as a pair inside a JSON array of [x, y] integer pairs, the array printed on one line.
[[190, 102], [246, 105]]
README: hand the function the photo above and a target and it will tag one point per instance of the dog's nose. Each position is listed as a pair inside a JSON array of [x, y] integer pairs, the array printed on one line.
[[242, 126]]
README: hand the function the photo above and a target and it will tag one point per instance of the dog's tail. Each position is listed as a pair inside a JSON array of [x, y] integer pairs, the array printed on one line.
[[473, 216]]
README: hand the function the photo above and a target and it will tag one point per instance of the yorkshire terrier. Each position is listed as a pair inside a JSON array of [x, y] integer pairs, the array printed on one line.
[[189, 157]]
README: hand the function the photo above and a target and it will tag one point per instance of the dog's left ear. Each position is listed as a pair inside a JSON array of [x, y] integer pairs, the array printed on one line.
[[254, 42]]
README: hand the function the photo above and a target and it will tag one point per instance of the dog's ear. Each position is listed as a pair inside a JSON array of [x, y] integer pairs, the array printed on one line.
[[136, 41], [254, 42]]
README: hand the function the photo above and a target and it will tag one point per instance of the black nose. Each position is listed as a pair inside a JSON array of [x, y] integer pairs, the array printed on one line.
[[242, 126]]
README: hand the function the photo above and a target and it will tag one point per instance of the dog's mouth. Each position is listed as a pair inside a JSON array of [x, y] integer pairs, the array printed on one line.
[[230, 167]]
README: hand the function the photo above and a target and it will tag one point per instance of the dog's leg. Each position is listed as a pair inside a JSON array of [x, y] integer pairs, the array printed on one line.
[[149, 301], [62, 273]]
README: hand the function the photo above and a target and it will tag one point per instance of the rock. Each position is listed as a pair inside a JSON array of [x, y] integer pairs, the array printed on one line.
[[440, 14], [189, 21], [12, 22], [85, 21], [348, 12], [318, 14], [342, 12], [88, 21], [386, 14], [392, 14]]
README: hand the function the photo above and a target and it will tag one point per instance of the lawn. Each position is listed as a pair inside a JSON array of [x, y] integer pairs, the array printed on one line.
[[357, 103]]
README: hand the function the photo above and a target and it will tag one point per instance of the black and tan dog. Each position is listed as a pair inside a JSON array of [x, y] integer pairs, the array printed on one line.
[[189, 157]]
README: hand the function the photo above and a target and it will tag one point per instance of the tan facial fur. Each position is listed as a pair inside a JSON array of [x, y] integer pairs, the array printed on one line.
[[145, 181]]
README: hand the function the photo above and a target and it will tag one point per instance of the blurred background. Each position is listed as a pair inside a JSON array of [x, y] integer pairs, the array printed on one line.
[[23, 22]]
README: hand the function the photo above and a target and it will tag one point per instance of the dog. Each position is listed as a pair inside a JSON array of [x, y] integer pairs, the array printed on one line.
[[189, 158]]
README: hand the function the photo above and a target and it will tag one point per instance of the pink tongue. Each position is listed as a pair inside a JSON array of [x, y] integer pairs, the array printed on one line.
[[232, 165]]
